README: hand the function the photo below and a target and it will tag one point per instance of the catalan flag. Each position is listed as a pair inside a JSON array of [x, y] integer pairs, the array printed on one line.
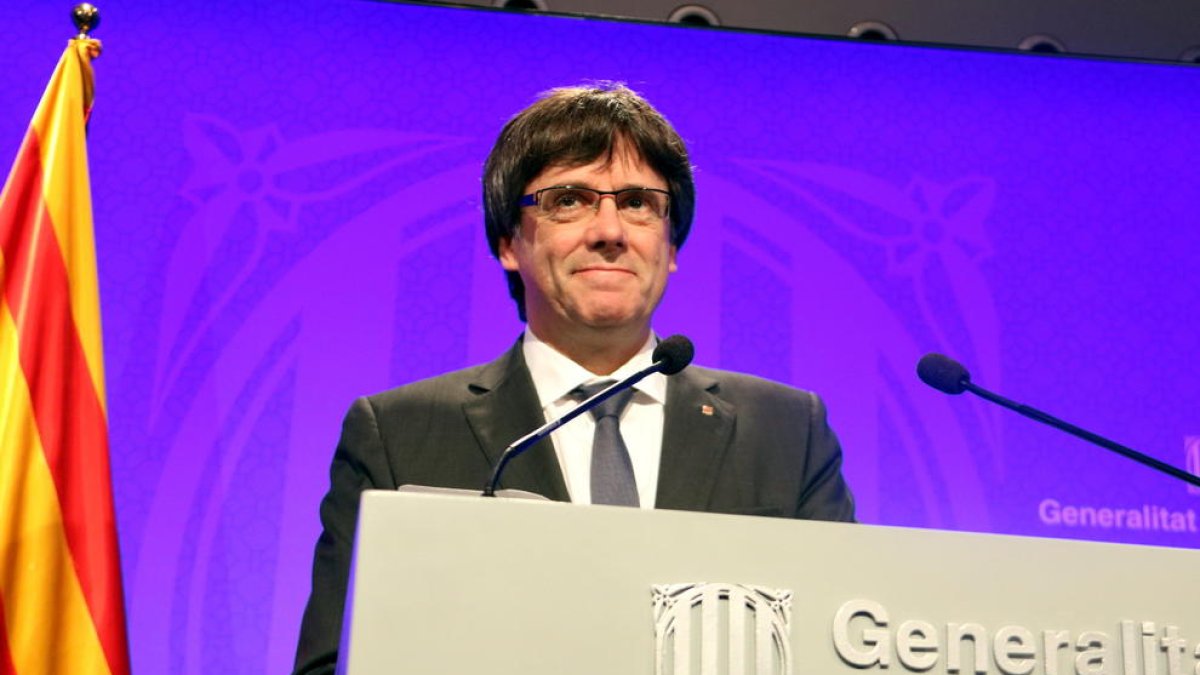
[[61, 604]]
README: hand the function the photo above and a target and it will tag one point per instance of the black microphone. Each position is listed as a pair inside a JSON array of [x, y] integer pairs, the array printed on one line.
[[943, 373], [670, 356], [947, 375], [673, 354]]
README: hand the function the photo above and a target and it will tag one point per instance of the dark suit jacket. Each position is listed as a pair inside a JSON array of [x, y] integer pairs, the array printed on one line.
[[765, 449]]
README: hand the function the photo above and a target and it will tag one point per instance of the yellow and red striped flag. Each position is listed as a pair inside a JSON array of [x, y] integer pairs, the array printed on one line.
[[61, 604]]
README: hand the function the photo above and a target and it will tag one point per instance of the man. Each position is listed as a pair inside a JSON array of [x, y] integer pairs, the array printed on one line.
[[588, 196]]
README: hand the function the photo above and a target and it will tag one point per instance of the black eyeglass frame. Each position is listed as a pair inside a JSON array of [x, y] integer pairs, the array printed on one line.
[[533, 198]]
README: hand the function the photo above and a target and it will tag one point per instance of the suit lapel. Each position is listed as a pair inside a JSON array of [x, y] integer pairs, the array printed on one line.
[[503, 406], [696, 435]]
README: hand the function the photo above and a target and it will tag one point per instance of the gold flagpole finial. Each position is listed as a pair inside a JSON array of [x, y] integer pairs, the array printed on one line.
[[85, 17]]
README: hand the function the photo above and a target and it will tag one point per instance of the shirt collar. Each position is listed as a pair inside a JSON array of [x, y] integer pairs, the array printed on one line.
[[555, 375]]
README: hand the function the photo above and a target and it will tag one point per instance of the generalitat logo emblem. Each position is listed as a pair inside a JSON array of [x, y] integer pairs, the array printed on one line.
[[722, 629], [1191, 458]]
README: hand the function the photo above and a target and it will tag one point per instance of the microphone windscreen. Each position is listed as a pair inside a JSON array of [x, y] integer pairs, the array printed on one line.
[[943, 373], [674, 353]]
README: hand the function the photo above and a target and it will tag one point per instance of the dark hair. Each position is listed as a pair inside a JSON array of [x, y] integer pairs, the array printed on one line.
[[573, 126]]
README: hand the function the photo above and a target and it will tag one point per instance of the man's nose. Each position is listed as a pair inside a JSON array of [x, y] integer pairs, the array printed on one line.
[[607, 228]]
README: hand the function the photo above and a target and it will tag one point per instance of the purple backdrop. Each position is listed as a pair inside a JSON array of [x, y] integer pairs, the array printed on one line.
[[287, 213]]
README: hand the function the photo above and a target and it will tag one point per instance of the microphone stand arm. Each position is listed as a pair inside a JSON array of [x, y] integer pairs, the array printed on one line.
[[1046, 418], [525, 442]]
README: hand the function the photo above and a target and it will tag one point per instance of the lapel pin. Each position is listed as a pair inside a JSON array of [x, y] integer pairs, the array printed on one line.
[[706, 410]]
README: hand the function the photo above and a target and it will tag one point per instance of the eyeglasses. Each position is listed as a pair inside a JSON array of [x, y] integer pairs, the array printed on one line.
[[570, 204]]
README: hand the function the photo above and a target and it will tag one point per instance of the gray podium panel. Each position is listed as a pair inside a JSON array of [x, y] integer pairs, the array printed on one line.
[[445, 584]]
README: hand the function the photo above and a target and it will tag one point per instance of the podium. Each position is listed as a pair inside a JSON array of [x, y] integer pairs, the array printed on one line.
[[450, 584]]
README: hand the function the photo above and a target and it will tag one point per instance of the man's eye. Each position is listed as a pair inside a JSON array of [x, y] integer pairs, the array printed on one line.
[[568, 199], [640, 201]]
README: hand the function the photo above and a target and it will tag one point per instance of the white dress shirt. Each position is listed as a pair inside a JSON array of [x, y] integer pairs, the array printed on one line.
[[555, 376]]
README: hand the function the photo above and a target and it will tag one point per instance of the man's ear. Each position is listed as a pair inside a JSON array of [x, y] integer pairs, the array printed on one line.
[[507, 255], [671, 266]]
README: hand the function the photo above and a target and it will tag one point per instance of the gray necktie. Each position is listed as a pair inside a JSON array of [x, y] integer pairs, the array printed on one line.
[[612, 471]]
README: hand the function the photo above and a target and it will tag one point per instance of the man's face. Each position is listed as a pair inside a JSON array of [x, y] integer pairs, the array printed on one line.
[[601, 272]]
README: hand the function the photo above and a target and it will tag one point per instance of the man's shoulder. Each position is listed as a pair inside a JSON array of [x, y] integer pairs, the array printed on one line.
[[444, 388], [452, 387], [735, 385]]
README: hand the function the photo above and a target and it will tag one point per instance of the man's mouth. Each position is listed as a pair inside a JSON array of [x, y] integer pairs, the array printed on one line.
[[603, 269]]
